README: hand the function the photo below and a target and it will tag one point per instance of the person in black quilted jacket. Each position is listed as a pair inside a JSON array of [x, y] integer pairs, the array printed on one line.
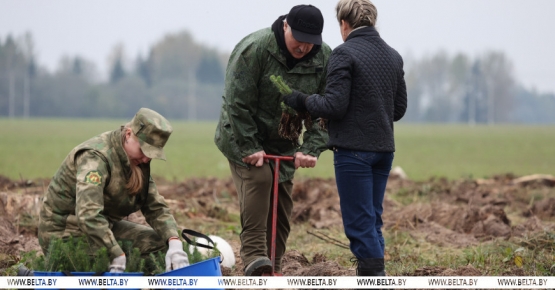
[[365, 94]]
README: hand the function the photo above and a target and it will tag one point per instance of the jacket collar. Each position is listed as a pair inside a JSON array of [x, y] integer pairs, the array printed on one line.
[[366, 31]]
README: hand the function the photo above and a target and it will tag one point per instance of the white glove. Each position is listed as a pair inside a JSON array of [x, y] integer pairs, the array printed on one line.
[[118, 264], [175, 257]]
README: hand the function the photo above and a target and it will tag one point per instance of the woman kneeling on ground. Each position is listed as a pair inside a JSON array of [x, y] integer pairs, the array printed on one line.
[[105, 179]]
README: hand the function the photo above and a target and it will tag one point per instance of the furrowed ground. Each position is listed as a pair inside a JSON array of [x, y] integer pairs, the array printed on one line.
[[504, 225]]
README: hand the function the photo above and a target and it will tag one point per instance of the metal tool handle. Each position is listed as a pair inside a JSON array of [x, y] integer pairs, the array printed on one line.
[[277, 157], [277, 160]]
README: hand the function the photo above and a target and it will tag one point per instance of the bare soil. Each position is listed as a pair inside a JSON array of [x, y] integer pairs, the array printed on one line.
[[455, 214]]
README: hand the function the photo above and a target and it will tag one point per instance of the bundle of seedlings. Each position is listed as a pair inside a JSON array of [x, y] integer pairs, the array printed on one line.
[[75, 254], [72, 254], [291, 122]]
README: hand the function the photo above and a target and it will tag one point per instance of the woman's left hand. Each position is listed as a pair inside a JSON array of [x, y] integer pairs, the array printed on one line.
[[175, 257]]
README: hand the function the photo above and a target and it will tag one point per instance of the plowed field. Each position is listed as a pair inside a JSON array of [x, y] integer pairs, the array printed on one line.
[[445, 214]]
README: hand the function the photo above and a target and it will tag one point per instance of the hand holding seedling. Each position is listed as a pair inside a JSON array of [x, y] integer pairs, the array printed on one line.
[[291, 122], [292, 98]]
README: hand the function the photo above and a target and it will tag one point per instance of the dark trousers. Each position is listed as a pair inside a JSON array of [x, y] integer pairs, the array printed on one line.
[[255, 189], [361, 178]]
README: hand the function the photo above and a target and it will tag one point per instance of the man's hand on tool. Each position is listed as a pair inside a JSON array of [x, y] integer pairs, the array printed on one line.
[[304, 161], [256, 159]]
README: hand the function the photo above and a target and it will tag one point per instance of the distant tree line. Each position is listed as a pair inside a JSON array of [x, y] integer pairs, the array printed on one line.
[[460, 89], [183, 79], [179, 78]]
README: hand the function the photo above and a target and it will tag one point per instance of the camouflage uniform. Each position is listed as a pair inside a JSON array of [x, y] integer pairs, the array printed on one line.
[[88, 193], [248, 123]]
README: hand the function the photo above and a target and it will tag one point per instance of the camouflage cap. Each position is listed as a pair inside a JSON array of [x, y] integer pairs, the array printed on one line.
[[153, 131]]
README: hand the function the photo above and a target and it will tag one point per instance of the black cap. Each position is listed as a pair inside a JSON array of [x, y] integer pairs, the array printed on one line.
[[306, 23]]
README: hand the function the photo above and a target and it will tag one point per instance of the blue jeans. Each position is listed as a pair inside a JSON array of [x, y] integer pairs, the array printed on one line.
[[361, 177]]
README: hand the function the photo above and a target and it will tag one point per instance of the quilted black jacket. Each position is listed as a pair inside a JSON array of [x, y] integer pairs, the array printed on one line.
[[365, 93]]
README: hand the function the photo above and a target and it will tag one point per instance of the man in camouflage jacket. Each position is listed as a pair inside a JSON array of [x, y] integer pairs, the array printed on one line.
[[248, 125], [88, 194]]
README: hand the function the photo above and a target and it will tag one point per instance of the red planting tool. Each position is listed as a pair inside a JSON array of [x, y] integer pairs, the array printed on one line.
[[277, 160]]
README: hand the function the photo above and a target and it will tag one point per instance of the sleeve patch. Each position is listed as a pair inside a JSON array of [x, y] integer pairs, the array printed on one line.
[[93, 177]]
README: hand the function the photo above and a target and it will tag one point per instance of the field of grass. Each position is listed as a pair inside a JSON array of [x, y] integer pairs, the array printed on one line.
[[35, 148]]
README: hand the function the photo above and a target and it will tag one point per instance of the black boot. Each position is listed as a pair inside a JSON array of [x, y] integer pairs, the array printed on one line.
[[371, 267]]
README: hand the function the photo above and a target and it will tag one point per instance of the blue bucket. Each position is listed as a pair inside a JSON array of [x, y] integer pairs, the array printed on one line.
[[210, 267], [79, 274], [43, 273]]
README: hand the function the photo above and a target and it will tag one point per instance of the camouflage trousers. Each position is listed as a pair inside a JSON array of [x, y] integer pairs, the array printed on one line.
[[255, 190], [142, 237]]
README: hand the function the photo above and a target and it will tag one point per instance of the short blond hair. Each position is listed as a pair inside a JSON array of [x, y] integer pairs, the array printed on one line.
[[357, 12]]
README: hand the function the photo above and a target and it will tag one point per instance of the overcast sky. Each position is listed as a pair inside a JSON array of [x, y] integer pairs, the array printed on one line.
[[522, 29]]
